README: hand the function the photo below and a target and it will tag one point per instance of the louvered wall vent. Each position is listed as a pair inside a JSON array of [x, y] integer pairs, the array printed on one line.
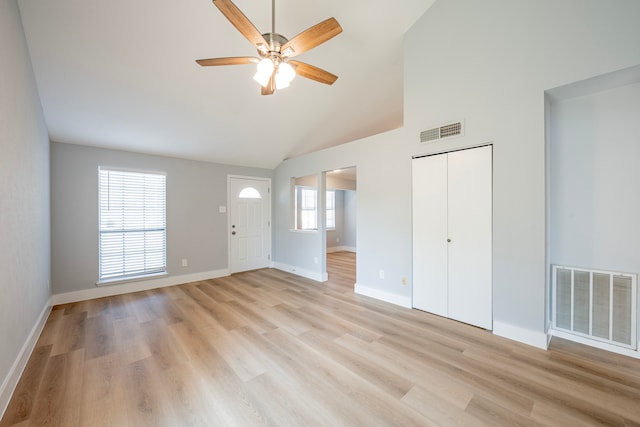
[[597, 305], [445, 131]]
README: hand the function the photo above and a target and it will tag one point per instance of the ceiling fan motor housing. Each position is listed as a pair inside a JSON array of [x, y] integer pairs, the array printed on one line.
[[275, 42]]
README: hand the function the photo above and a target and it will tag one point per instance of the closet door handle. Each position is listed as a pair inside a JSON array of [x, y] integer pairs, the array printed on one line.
[[448, 240]]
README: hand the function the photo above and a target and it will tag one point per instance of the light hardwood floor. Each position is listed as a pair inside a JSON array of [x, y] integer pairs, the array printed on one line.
[[269, 348]]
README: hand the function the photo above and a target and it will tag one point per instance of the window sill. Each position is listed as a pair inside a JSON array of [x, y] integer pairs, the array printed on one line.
[[117, 281], [295, 230]]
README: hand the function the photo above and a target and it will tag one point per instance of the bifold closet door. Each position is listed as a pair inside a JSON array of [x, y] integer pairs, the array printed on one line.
[[430, 234], [452, 234], [470, 232]]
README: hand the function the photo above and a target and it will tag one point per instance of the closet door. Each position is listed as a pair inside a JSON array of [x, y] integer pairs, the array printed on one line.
[[452, 235], [470, 235], [430, 234]]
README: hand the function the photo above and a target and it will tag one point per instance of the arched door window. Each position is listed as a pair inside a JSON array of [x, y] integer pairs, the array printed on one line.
[[249, 193]]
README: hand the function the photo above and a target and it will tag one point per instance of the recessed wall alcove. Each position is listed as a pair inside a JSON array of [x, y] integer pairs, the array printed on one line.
[[593, 177]]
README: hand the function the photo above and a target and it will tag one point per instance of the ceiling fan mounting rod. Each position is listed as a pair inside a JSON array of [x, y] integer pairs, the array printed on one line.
[[273, 16]]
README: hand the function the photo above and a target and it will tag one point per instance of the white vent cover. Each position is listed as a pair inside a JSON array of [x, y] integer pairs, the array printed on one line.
[[598, 305], [448, 130]]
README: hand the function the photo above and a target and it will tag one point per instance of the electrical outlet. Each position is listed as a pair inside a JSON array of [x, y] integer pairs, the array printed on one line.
[[381, 274], [404, 280], [185, 262], [337, 239], [315, 260]]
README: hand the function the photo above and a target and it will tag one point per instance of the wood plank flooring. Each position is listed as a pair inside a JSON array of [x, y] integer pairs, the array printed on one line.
[[269, 348]]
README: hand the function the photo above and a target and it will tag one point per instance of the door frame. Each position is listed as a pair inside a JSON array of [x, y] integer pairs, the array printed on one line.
[[230, 177]]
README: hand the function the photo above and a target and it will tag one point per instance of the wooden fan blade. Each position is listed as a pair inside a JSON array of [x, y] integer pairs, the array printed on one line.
[[311, 37], [270, 88], [240, 21], [313, 73], [235, 60]]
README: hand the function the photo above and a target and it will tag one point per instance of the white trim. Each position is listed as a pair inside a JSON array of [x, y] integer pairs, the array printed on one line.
[[341, 249], [318, 277], [383, 295], [593, 343], [143, 285], [523, 335], [11, 381], [121, 280]]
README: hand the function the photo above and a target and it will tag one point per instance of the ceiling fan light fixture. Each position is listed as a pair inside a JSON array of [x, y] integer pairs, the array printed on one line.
[[273, 71], [286, 71], [281, 82], [264, 72]]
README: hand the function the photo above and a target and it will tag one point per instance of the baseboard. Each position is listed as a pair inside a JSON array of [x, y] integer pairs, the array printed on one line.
[[144, 285], [516, 333], [318, 277], [593, 343], [383, 295], [341, 249], [11, 381]]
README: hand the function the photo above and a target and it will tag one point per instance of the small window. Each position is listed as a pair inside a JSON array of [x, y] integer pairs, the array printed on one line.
[[132, 224], [249, 193], [304, 206], [331, 209], [308, 217]]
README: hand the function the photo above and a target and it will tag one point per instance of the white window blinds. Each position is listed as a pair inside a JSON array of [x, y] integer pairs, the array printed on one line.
[[331, 209], [308, 209], [132, 224]]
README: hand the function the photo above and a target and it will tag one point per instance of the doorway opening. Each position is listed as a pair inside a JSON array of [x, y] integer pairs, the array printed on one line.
[[340, 225]]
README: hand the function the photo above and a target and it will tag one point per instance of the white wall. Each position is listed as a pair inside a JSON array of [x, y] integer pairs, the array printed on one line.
[[488, 63], [595, 172], [24, 203], [195, 229]]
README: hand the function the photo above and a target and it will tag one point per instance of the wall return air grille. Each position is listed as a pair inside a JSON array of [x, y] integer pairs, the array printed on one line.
[[448, 130], [597, 305]]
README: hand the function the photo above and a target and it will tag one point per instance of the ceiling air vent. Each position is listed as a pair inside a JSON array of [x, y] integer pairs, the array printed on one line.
[[445, 131]]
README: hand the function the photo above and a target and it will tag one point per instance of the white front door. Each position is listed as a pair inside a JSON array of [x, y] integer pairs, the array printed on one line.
[[249, 223]]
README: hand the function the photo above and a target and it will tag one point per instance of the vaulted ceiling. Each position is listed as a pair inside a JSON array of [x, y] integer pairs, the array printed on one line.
[[122, 74]]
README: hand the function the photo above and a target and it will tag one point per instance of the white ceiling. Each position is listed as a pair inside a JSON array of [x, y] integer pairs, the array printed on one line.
[[121, 74]]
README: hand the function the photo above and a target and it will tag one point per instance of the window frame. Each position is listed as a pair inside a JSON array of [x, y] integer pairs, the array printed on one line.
[[303, 207], [146, 235], [331, 208]]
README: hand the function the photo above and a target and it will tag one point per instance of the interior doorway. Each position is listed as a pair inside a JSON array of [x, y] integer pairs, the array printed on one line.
[[340, 218]]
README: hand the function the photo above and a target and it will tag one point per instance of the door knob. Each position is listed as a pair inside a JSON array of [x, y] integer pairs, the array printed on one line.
[[233, 232], [449, 240]]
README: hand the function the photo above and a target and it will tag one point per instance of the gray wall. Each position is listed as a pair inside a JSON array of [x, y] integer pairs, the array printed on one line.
[[350, 215], [334, 237], [488, 63], [344, 233], [24, 194], [195, 229], [595, 149]]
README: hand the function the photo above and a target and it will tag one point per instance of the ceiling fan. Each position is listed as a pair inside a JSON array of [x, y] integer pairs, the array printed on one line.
[[275, 69]]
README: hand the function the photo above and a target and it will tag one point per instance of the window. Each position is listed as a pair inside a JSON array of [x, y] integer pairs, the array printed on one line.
[[306, 208], [308, 218], [331, 209], [249, 193], [132, 223]]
